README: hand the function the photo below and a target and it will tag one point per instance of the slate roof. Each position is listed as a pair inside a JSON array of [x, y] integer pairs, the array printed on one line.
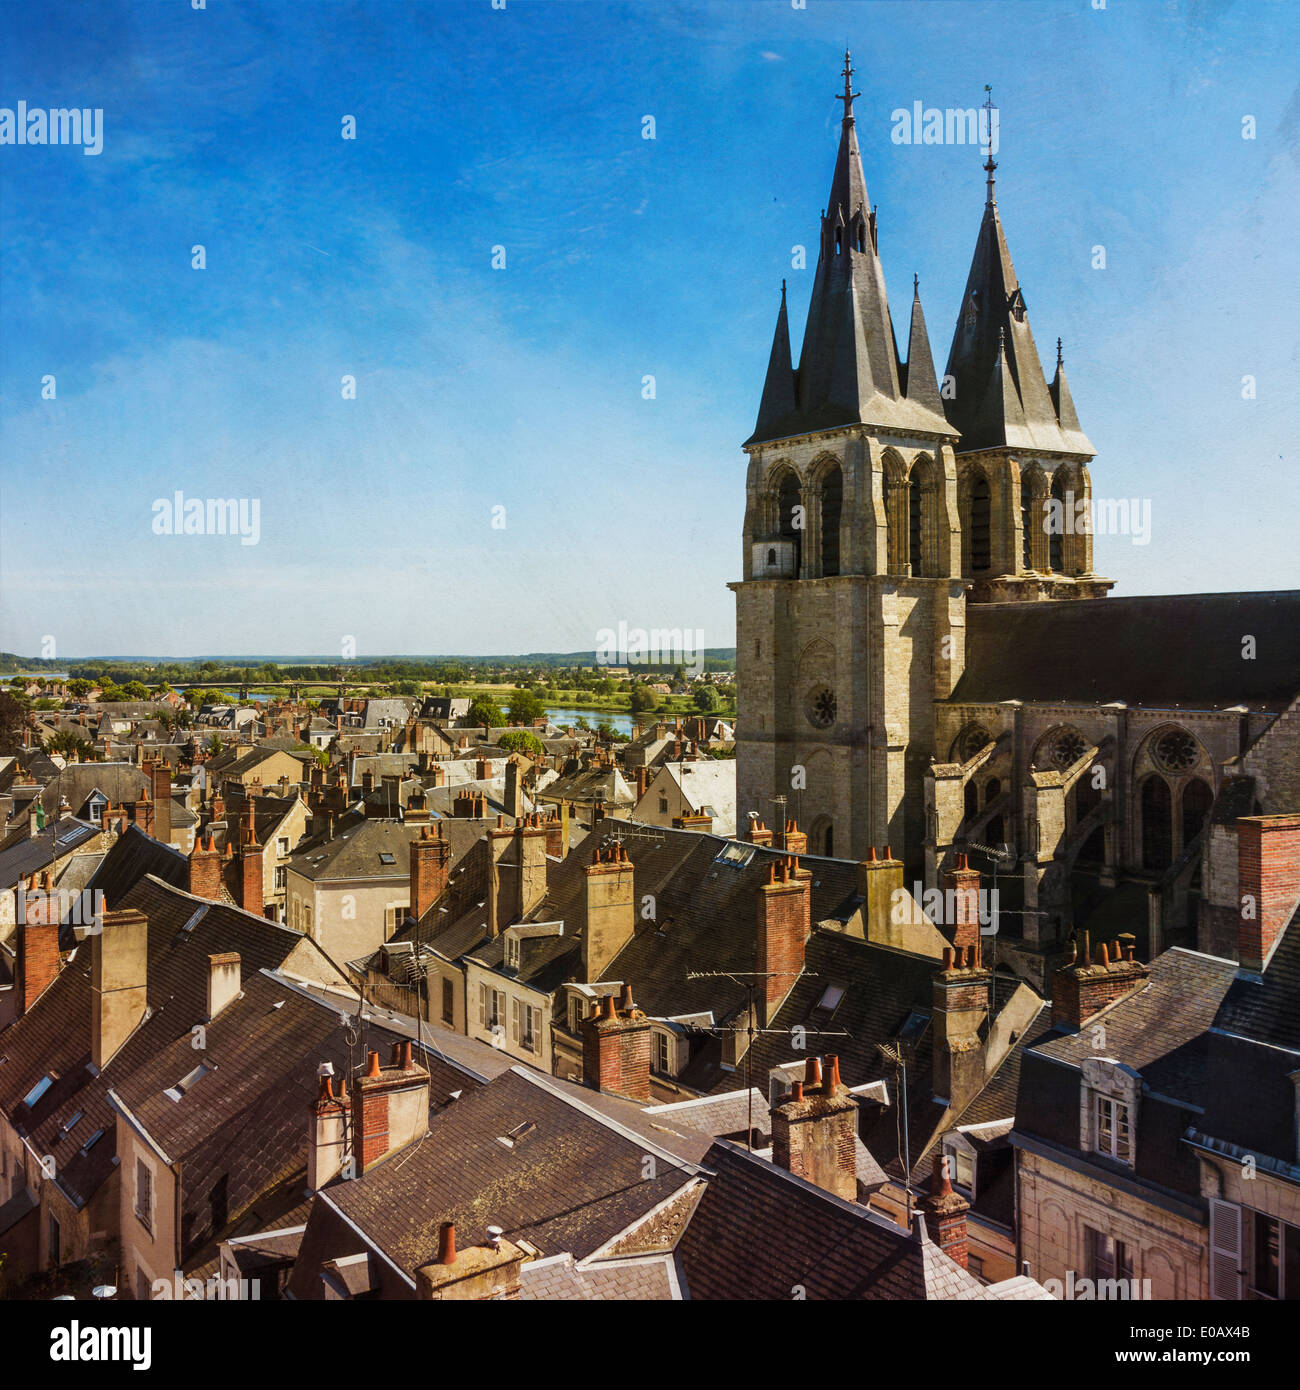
[[242, 1129], [30, 854], [760, 1233], [1180, 651], [54, 1037], [571, 1184], [355, 852], [558, 1279], [1159, 1031], [119, 782], [849, 371], [1001, 396], [133, 856]]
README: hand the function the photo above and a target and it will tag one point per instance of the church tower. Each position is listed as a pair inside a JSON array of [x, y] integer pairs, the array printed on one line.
[[1022, 460], [850, 616]]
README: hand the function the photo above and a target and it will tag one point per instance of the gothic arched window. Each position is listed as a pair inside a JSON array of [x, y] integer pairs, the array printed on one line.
[[832, 497], [914, 527], [1056, 531], [981, 539], [1157, 823], [1197, 799]]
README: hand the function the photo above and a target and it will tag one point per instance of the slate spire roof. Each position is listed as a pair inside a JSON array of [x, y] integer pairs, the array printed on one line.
[[1001, 396], [849, 369]]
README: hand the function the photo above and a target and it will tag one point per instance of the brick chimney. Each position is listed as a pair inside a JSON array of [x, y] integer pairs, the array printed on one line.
[[1081, 988], [161, 776], [390, 1106], [477, 1273], [879, 878], [961, 899], [756, 833], [142, 811], [119, 972], [815, 1128], [430, 862], [1268, 884], [616, 1049], [327, 1131], [609, 900], [944, 1212], [642, 781], [556, 833], [783, 914], [790, 838], [38, 940], [694, 820], [223, 981], [482, 769], [205, 869], [960, 997]]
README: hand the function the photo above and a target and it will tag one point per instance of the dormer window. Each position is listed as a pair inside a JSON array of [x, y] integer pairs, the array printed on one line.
[[512, 952], [1112, 1132]]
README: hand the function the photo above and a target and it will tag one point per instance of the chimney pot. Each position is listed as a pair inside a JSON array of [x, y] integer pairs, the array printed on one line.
[[796, 1091], [832, 1074], [812, 1071], [372, 1064], [447, 1243]]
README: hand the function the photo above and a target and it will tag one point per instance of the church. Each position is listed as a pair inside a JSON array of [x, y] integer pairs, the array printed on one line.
[[928, 666]]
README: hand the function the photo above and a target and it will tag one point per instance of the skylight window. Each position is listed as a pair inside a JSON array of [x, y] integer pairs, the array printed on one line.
[[914, 1027], [70, 1123], [92, 1141], [387, 859], [830, 1000], [191, 1078], [38, 1091]]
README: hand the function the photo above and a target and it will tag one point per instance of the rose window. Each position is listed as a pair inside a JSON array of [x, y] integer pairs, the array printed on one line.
[[1176, 751], [1066, 748], [821, 707]]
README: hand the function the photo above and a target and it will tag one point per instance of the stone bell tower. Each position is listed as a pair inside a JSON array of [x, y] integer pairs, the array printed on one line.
[[850, 615]]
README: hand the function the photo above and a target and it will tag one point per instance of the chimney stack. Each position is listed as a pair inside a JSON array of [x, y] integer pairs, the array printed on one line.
[[784, 907], [814, 1132], [944, 1212], [1082, 987], [756, 833], [430, 863], [616, 1049], [880, 877], [515, 787], [390, 1109], [532, 836], [327, 1133], [205, 869], [119, 972], [610, 902], [477, 1273], [960, 994], [251, 897], [961, 897], [223, 981], [161, 776], [1268, 884], [38, 941]]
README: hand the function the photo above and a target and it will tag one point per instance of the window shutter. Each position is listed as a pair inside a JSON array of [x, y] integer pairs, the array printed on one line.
[[482, 1004], [1227, 1278], [514, 1020]]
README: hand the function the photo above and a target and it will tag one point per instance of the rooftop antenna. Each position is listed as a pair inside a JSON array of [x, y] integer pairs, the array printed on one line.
[[748, 981], [990, 164], [896, 1052]]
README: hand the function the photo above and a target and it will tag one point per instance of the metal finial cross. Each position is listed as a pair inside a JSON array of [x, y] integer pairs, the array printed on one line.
[[990, 164], [1059, 359], [848, 94]]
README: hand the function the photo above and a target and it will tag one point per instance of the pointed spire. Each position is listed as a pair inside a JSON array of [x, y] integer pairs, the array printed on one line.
[[993, 357], [849, 370], [919, 382], [990, 164], [777, 408], [1066, 417]]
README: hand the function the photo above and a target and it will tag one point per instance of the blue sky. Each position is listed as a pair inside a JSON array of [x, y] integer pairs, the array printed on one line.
[[522, 387]]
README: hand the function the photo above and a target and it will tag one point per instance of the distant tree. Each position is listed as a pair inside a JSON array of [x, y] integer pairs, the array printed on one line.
[[136, 690], [192, 696], [13, 714], [216, 744], [487, 712], [520, 741], [643, 698], [406, 688], [706, 699], [67, 743], [79, 688], [525, 707]]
